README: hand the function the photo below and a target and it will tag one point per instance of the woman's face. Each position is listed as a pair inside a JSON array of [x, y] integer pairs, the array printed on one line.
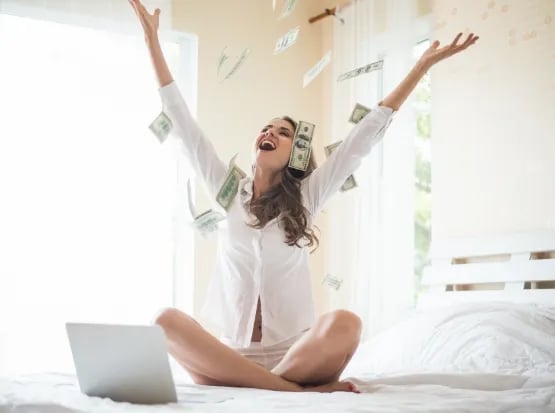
[[273, 145]]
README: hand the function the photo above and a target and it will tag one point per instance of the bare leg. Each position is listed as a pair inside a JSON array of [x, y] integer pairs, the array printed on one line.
[[211, 362], [322, 353]]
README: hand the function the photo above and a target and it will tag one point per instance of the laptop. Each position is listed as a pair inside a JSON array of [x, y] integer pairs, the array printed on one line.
[[122, 362]]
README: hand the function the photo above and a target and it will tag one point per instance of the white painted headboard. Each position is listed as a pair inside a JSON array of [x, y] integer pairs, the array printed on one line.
[[518, 267]]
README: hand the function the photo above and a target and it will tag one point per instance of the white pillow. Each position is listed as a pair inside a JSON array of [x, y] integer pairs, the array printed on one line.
[[503, 338]]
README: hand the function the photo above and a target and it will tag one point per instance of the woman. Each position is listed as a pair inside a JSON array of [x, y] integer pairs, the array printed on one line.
[[260, 294]]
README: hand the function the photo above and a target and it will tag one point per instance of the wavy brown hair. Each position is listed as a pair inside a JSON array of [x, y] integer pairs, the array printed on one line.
[[285, 200]]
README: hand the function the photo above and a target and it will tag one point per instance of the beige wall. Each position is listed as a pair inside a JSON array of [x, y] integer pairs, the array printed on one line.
[[493, 119], [232, 112]]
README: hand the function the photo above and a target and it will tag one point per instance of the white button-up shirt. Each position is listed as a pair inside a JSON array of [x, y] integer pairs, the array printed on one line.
[[253, 263]]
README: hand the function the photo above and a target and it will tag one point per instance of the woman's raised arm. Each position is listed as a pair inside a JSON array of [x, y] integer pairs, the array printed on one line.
[[198, 150], [150, 23]]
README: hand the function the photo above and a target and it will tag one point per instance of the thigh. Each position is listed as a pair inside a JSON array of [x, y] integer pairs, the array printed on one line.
[[322, 353], [211, 362]]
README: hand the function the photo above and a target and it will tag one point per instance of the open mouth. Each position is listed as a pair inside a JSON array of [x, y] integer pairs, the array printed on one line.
[[267, 145]]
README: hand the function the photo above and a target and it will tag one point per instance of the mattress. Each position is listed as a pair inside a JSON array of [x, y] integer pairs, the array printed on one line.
[[52, 393], [491, 357]]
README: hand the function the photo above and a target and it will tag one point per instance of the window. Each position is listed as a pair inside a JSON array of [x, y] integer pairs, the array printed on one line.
[[88, 209], [423, 183]]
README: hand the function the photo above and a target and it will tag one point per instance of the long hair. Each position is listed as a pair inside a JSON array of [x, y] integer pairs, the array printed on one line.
[[284, 200]]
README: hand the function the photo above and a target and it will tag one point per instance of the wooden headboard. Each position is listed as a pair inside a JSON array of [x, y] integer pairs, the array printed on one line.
[[517, 267]]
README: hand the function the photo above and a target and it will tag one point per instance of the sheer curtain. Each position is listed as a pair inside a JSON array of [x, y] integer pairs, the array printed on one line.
[[92, 223], [375, 223]]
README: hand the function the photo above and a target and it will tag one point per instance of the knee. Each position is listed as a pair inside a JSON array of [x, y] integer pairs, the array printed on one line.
[[166, 317], [343, 323]]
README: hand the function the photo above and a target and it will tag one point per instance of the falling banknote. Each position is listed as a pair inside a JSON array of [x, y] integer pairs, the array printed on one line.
[[350, 182], [207, 221], [288, 8], [230, 187], [161, 126], [358, 113], [300, 153], [332, 282], [371, 67], [287, 40], [316, 69]]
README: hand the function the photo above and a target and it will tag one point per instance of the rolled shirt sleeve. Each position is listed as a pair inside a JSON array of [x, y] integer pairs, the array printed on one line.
[[198, 150], [346, 158]]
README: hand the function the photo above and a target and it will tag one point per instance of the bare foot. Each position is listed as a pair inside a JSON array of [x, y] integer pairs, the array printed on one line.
[[345, 386]]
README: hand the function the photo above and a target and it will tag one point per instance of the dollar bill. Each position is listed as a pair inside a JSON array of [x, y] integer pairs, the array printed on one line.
[[332, 282], [358, 113], [288, 8], [223, 58], [371, 67], [161, 127], [208, 221], [230, 187], [300, 152], [350, 182], [238, 64], [287, 40], [316, 69]]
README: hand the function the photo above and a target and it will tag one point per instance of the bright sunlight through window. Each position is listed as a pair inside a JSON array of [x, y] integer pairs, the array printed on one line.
[[88, 193]]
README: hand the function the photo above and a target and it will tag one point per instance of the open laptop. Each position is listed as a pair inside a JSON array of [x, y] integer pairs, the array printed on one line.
[[122, 362]]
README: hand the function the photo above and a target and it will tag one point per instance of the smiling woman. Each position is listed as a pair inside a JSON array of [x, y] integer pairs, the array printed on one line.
[[261, 293]]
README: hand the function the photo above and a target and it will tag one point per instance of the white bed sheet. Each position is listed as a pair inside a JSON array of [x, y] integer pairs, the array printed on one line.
[[494, 357], [415, 393]]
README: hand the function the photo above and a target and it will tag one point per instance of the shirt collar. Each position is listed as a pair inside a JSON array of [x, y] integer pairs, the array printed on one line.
[[246, 189]]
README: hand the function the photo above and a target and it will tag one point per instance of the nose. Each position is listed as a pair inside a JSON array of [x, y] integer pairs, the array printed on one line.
[[268, 133]]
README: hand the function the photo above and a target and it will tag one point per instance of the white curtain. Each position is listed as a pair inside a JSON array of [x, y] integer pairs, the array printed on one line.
[[91, 222], [374, 224]]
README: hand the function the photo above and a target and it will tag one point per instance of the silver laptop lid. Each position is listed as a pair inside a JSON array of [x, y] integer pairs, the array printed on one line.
[[122, 362]]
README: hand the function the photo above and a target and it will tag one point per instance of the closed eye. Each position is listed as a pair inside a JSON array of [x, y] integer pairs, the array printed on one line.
[[285, 132]]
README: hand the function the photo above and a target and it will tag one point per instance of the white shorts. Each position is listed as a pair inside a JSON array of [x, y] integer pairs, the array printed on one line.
[[270, 356]]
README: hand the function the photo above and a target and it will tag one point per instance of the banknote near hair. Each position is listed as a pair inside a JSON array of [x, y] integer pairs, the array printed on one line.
[[161, 126], [358, 113], [300, 151], [363, 69], [350, 182], [230, 186]]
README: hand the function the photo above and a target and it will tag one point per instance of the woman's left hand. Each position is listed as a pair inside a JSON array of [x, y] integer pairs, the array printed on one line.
[[435, 54]]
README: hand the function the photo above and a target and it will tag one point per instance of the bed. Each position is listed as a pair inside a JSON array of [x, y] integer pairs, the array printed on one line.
[[482, 339]]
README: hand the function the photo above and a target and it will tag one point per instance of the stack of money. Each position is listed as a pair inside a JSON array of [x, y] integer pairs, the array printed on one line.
[[161, 126], [230, 187], [300, 153], [350, 182]]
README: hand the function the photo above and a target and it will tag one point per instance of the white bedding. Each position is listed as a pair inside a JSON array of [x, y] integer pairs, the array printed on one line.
[[478, 358]]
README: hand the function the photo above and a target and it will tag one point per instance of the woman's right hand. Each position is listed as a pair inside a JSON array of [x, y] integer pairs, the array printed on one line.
[[150, 22]]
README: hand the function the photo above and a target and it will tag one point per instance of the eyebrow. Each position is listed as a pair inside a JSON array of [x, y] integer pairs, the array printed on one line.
[[281, 128]]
